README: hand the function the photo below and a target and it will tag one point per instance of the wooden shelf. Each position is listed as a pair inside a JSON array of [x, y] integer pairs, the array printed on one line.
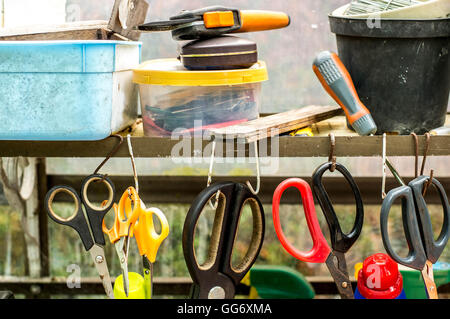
[[348, 144]]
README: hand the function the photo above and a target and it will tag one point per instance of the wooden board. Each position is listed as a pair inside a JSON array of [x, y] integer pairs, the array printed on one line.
[[136, 14], [277, 124], [83, 30]]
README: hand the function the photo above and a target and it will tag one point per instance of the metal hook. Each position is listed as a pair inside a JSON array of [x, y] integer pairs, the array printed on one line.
[[394, 172], [133, 164], [258, 176], [210, 172], [332, 157], [427, 147], [416, 148], [111, 154]]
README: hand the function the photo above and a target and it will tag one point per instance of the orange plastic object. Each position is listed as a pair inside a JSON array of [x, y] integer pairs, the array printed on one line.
[[218, 19], [259, 20], [147, 238], [125, 215]]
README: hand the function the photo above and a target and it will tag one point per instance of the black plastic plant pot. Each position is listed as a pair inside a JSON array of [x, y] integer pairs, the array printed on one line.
[[400, 69]]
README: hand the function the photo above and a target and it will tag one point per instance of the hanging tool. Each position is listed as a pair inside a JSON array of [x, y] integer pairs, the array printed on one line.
[[90, 230], [218, 277], [149, 241], [215, 21], [336, 80], [125, 216], [333, 257], [424, 250]]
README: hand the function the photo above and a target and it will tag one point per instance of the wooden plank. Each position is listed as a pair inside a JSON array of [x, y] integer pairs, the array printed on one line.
[[135, 12], [348, 144], [183, 189], [82, 30], [278, 123]]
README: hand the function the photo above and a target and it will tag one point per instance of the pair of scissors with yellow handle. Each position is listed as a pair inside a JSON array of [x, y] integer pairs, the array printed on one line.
[[149, 241], [126, 214]]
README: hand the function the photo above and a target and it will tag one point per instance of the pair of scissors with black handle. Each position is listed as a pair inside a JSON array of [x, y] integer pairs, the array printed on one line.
[[424, 250], [90, 229], [217, 277], [333, 257]]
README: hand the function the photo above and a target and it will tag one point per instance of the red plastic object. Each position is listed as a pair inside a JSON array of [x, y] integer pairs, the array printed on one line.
[[320, 251], [380, 278]]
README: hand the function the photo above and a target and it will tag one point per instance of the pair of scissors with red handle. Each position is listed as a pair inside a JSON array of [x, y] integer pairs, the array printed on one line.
[[321, 252]]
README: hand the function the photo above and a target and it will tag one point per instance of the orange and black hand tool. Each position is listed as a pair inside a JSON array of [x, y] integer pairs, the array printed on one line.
[[215, 21], [336, 80]]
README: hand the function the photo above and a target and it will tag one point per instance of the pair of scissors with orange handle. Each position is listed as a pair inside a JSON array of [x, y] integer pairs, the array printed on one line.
[[126, 215], [149, 241]]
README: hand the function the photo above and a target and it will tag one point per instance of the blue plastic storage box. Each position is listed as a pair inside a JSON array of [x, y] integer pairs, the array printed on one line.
[[67, 90]]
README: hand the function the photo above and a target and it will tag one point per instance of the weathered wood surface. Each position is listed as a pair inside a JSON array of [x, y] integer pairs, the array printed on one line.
[[348, 144], [131, 13], [277, 124], [82, 30]]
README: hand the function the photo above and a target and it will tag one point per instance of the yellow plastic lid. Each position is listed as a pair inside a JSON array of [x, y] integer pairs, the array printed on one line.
[[172, 72]]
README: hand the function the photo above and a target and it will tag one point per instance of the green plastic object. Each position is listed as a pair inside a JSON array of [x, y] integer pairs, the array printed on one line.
[[413, 283], [278, 282]]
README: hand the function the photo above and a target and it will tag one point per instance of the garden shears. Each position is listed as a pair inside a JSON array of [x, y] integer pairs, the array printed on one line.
[[333, 257], [424, 250], [218, 277], [126, 215], [149, 241], [90, 229]]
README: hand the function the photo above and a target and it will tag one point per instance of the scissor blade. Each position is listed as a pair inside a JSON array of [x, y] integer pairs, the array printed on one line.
[[338, 269], [160, 26], [123, 258], [428, 278], [148, 277], [98, 256]]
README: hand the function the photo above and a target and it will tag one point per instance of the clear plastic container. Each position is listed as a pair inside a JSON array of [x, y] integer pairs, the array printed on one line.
[[175, 100]]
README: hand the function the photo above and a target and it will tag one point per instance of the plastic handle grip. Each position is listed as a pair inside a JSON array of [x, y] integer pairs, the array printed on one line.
[[336, 80], [433, 248], [416, 257], [320, 250], [147, 238], [259, 20]]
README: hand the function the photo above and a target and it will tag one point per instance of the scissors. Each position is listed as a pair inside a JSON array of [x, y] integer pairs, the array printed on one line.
[[149, 241], [217, 277], [321, 252], [424, 251], [93, 243], [125, 216]]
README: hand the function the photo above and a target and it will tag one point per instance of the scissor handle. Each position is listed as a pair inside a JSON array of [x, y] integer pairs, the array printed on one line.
[[320, 250], [433, 248], [416, 257], [96, 214], [148, 240], [76, 221], [339, 241], [232, 199]]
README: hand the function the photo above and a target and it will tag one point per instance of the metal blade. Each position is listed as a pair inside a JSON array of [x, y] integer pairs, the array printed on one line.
[[169, 25], [123, 258], [98, 256], [338, 269], [148, 277]]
